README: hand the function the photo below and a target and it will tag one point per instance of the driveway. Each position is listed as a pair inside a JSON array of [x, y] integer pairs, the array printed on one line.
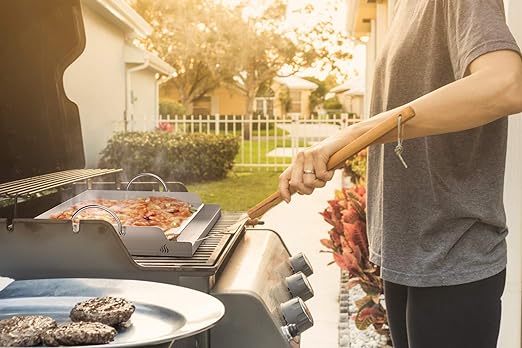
[[301, 227]]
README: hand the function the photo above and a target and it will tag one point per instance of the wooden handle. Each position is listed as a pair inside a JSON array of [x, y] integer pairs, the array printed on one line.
[[342, 155]]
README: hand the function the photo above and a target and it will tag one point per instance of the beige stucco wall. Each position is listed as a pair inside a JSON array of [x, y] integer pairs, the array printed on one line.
[[228, 101], [96, 83], [352, 103], [278, 108], [224, 100]]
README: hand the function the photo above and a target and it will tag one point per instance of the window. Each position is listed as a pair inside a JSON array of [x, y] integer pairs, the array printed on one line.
[[264, 106], [295, 97], [202, 106]]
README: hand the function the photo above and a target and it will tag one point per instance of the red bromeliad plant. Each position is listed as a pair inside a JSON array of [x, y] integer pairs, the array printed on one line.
[[348, 243]]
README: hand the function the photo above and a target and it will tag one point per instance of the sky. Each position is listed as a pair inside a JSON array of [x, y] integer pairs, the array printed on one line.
[[322, 9]]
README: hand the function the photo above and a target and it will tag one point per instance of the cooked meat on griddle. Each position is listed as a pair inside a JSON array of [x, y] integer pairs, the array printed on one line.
[[79, 333], [24, 331], [113, 311], [163, 212]]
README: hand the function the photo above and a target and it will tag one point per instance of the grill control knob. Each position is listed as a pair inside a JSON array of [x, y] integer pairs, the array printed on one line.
[[296, 313], [299, 286], [300, 263]]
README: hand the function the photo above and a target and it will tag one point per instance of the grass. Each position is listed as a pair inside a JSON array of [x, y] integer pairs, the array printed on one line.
[[240, 191], [261, 156]]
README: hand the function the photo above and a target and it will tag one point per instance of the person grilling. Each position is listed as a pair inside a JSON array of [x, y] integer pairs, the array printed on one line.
[[437, 228]]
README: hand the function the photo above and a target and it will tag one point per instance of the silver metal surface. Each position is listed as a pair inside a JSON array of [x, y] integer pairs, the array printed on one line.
[[252, 286], [163, 312], [299, 286], [48, 249], [76, 224], [152, 241], [300, 263], [297, 313], [157, 177], [40, 183]]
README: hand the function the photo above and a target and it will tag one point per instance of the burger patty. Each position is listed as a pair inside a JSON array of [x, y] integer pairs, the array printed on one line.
[[24, 331], [113, 311], [79, 333]]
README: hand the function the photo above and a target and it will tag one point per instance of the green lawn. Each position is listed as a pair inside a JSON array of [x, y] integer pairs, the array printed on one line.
[[255, 151], [239, 191]]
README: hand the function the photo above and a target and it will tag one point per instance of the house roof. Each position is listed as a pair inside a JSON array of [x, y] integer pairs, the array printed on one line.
[[351, 87], [123, 15], [135, 55], [296, 82]]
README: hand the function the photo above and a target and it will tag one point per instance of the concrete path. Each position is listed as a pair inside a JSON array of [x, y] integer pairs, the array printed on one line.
[[315, 130], [301, 227]]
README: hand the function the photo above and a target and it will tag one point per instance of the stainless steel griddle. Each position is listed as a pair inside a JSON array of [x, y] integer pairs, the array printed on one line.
[[152, 241]]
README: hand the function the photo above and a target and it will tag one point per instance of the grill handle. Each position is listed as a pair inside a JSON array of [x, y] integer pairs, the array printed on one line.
[[76, 224], [157, 177], [339, 157]]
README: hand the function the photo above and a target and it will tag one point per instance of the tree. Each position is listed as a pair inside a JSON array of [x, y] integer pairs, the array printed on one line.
[[210, 44], [193, 37], [318, 96], [273, 49]]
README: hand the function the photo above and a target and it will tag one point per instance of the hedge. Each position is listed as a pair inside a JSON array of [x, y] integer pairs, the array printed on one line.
[[174, 157]]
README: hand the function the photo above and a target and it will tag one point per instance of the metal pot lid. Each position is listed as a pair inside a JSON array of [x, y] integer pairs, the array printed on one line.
[[163, 312]]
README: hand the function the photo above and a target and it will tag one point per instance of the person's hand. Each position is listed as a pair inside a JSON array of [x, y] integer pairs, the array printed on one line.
[[307, 172]]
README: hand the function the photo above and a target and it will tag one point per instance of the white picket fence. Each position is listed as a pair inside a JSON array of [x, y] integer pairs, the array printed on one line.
[[273, 142]]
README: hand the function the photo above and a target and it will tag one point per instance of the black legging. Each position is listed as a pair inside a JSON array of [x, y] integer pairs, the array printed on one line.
[[458, 316]]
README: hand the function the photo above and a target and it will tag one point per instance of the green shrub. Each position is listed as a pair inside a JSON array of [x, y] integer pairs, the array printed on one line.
[[171, 107], [174, 157]]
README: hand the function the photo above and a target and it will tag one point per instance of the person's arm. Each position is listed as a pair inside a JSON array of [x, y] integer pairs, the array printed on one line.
[[491, 90]]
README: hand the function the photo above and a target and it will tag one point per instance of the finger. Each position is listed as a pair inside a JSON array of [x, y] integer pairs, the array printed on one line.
[[308, 178], [305, 190], [321, 171], [284, 185], [296, 178], [319, 183]]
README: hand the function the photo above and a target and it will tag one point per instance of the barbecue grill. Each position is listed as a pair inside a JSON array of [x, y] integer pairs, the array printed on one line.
[[249, 270]]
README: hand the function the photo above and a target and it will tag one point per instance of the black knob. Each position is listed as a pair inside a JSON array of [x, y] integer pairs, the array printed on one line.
[[300, 263], [299, 286], [296, 312]]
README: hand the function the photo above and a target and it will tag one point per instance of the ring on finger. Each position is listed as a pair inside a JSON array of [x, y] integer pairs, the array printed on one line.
[[308, 171]]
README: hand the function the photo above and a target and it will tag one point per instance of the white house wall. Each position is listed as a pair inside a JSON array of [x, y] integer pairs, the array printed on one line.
[[510, 332], [96, 83], [143, 85]]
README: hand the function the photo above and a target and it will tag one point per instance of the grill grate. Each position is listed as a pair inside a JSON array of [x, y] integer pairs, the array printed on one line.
[[209, 254], [31, 186]]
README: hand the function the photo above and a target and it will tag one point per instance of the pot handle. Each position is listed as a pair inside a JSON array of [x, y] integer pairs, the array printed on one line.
[[76, 224], [158, 178]]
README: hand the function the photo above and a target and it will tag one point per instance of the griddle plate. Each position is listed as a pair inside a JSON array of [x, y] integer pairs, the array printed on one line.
[[163, 312]]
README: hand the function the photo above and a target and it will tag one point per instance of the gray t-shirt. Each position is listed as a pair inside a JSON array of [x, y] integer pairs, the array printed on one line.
[[441, 221]]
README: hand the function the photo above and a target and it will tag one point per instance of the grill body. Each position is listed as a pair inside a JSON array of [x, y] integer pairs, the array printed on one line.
[[246, 270]]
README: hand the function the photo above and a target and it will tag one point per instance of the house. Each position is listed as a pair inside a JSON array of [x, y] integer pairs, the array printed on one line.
[[114, 83], [351, 95], [368, 21], [230, 100]]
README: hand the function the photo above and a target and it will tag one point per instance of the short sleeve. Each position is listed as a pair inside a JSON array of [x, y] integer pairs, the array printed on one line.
[[476, 27]]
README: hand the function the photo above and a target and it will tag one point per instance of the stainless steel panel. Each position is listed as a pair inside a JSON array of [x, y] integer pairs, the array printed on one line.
[[163, 312], [252, 287], [49, 249]]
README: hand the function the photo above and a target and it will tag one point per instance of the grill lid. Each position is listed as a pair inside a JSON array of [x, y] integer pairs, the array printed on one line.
[[39, 126]]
